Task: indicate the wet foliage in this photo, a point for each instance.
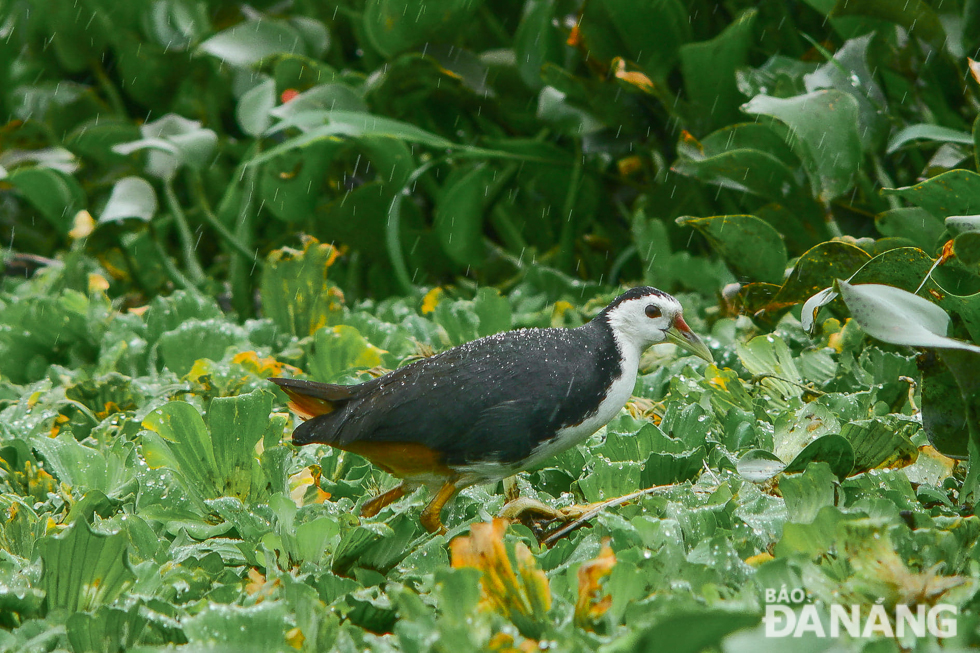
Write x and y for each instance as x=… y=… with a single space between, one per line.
x=197 y=196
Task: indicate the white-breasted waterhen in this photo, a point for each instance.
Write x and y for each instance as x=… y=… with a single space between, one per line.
x=492 y=407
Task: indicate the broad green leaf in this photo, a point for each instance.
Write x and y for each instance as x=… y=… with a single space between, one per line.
x=341 y=350
x=770 y=358
x=759 y=465
x=323 y=97
x=734 y=236
x=879 y=444
x=898 y=317
x=56 y=195
x=260 y=627
x=171 y=143
x=817 y=268
x=823 y=130
x=248 y=43
x=110 y=471
x=236 y=425
x=197 y=339
x=744 y=170
x=682 y=631
x=963 y=224
x=928 y=132
x=945 y=416
x=132 y=197
x=493 y=310
x=952 y=193
x=254 y=107
x=295 y=291
x=292 y=185
x=83 y=569
x=914 y=15
x=805 y=494
x=609 y=479
x=709 y=68
x=833 y=450
x=181 y=425
x=106 y=629
x=914 y=223
x=537 y=41
x=393 y=26
x=458 y=220
x=648 y=32
x=967 y=248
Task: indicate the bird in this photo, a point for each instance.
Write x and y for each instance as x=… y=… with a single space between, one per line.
x=492 y=407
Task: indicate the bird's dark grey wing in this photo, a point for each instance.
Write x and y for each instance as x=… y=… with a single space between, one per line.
x=502 y=433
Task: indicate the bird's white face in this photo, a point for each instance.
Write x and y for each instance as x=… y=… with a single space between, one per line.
x=652 y=319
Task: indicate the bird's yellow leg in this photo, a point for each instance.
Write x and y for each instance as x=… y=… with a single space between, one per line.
x=374 y=505
x=432 y=514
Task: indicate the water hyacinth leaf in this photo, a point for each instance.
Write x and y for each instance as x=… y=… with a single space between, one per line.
x=537 y=41
x=665 y=468
x=393 y=26
x=648 y=32
x=172 y=142
x=684 y=632
x=898 y=317
x=759 y=465
x=709 y=68
x=734 y=236
x=109 y=471
x=609 y=479
x=967 y=248
x=770 y=358
x=254 y=107
x=744 y=170
x=458 y=220
x=805 y=494
x=833 y=450
x=915 y=15
x=817 y=268
x=260 y=627
x=56 y=195
x=962 y=224
x=83 y=569
x=132 y=197
x=493 y=310
x=953 y=193
x=248 y=43
x=945 y=417
x=823 y=130
x=911 y=222
x=928 y=132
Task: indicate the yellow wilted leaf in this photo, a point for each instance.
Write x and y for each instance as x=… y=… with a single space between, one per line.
x=97 y=283
x=301 y=482
x=295 y=638
x=524 y=595
x=265 y=366
x=631 y=77
x=82 y=225
x=592 y=601
x=431 y=300
x=758 y=559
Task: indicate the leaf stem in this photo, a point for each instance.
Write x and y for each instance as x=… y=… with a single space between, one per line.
x=197 y=187
x=188 y=247
x=566 y=241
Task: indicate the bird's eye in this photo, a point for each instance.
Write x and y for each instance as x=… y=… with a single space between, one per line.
x=652 y=311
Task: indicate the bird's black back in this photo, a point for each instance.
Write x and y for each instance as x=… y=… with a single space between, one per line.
x=493 y=399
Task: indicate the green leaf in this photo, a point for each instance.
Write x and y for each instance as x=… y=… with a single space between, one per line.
x=458 y=220
x=927 y=132
x=132 y=197
x=648 y=32
x=393 y=26
x=106 y=629
x=250 y=42
x=295 y=291
x=254 y=107
x=918 y=17
x=744 y=170
x=833 y=450
x=709 y=69
x=537 y=41
x=823 y=130
x=879 y=444
x=898 y=317
x=341 y=350
x=955 y=193
x=759 y=465
x=56 y=195
x=681 y=631
x=197 y=339
x=179 y=424
x=493 y=310
x=261 y=627
x=946 y=416
x=914 y=223
x=609 y=479
x=967 y=248
x=817 y=268
x=83 y=569
x=733 y=236
x=236 y=426
x=770 y=357
x=172 y=142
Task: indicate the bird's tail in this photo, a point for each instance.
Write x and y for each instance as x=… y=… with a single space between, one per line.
x=309 y=399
